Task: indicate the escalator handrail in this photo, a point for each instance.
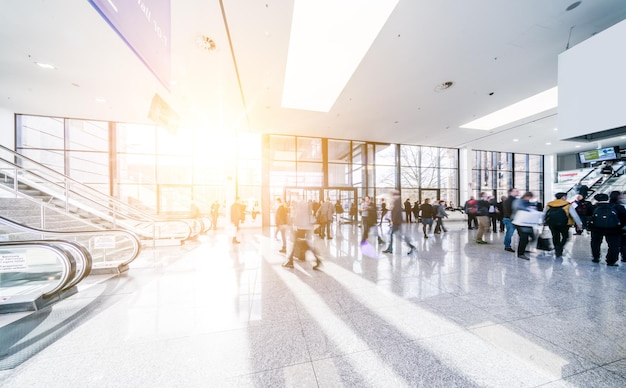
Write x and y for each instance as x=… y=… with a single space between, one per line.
x=620 y=171
x=571 y=191
x=616 y=174
x=80 y=253
x=67 y=260
x=64 y=234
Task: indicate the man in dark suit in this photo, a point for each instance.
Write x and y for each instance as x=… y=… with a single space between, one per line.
x=407 y=211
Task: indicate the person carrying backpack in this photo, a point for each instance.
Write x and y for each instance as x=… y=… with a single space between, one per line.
x=558 y=217
x=583 y=209
x=606 y=223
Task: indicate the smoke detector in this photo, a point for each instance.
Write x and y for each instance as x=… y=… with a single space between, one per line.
x=444 y=86
x=205 y=43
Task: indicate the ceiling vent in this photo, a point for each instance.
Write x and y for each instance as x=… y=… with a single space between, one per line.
x=205 y=43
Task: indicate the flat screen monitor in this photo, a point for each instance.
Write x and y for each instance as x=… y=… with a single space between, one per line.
x=599 y=155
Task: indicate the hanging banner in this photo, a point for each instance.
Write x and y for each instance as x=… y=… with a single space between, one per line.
x=145 y=27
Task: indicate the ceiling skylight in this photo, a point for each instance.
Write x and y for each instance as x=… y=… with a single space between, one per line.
x=328 y=40
x=538 y=103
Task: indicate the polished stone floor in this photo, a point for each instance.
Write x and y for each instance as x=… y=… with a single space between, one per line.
x=213 y=314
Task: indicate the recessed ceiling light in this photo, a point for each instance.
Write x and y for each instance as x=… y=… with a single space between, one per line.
x=556 y=129
x=45 y=65
x=515 y=139
x=548 y=143
x=538 y=103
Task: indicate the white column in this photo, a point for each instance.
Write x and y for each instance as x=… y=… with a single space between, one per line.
x=549 y=177
x=465 y=174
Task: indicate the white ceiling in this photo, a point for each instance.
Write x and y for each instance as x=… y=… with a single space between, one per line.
x=496 y=52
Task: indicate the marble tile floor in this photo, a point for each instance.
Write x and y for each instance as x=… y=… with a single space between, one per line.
x=213 y=314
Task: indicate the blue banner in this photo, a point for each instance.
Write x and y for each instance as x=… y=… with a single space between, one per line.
x=145 y=26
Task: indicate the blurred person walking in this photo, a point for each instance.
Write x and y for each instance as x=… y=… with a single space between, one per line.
x=396 y=223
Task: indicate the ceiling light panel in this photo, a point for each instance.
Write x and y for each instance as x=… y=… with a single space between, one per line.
x=328 y=40
x=538 y=103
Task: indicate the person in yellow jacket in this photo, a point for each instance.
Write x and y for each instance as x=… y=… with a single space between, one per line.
x=560 y=217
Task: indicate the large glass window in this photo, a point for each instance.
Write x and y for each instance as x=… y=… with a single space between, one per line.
x=157 y=169
x=165 y=170
x=310 y=174
x=338 y=175
x=86 y=135
x=385 y=154
x=497 y=172
x=40 y=132
x=338 y=151
x=52 y=159
x=309 y=149
x=135 y=138
x=385 y=176
x=89 y=167
x=429 y=168
x=174 y=169
x=282 y=148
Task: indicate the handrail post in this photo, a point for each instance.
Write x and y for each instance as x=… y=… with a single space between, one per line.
x=42 y=221
x=15 y=185
x=67 y=196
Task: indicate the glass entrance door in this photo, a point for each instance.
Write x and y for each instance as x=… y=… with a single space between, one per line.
x=346 y=198
x=304 y=193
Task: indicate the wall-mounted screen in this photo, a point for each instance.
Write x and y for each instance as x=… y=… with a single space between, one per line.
x=609 y=153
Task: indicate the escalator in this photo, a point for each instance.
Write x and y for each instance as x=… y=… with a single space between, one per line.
x=596 y=182
x=51 y=192
x=110 y=251
x=615 y=182
x=37 y=273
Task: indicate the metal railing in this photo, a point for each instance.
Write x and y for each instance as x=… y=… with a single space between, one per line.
x=68 y=196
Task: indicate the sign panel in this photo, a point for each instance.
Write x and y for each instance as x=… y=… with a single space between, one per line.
x=103 y=242
x=11 y=262
x=571 y=177
x=145 y=26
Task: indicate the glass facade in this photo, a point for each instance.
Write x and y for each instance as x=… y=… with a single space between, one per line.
x=497 y=172
x=163 y=171
x=365 y=168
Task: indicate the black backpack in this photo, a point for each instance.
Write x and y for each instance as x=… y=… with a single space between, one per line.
x=556 y=216
x=605 y=216
x=583 y=207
